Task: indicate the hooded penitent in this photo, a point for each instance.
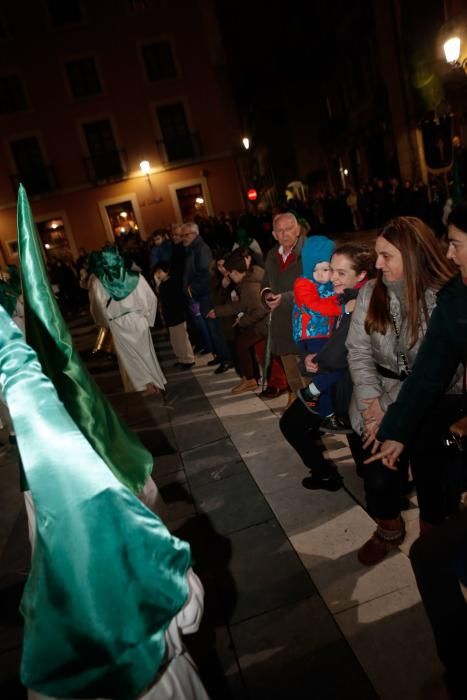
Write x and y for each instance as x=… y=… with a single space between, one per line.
x=106 y=576
x=48 y=334
x=109 y=266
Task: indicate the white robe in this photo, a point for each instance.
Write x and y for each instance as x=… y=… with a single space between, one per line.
x=179 y=679
x=129 y=321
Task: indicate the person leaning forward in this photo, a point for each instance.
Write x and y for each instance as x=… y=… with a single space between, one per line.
x=282 y=267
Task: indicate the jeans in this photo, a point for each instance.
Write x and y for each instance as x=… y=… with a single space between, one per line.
x=210 y=333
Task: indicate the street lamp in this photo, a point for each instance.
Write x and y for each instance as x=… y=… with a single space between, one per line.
x=452 y=52
x=145 y=167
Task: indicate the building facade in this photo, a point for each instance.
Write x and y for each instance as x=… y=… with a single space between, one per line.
x=88 y=91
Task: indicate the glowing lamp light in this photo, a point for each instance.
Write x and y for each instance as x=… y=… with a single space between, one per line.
x=199 y=200
x=47 y=245
x=346 y=172
x=252 y=195
x=452 y=49
x=123 y=214
x=145 y=167
x=246 y=143
x=122 y=230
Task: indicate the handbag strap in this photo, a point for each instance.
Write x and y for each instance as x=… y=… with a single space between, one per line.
x=405 y=364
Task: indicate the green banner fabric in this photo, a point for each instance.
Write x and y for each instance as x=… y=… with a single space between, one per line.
x=49 y=336
x=106 y=575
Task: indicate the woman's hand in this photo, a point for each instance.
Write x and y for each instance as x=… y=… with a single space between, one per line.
x=373 y=413
x=388 y=452
x=372 y=417
x=225 y=281
x=310 y=365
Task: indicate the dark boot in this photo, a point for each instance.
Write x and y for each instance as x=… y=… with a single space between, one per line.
x=388 y=536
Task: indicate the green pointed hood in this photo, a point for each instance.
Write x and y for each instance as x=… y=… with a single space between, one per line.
x=106 y=575
x=109 y=266
x=48 y=334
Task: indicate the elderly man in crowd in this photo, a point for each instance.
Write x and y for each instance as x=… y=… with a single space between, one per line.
x=197 y=287
x=283 y=266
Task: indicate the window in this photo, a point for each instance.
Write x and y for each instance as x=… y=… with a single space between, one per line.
x=31 y=169
x=159 y=61
x=179 y=143
x=83 y=77
x=122 y=218
x=104 y=157
x=53 y=237
x=63 y=12
x=12 y=98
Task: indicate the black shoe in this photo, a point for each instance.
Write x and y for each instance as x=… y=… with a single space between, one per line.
x=215 y=361
x=333 y=482
x=272 y=392
x=333 y=424
x=203 y=351
x=186 y=365
x=178 y=364
x=308 y=399
x=223 y=367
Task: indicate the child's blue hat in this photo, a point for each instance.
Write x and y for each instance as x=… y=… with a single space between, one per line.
x=316 y=249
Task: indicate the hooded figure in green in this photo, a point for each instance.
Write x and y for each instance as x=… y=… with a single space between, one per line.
x=110 y=590
x=123 y=301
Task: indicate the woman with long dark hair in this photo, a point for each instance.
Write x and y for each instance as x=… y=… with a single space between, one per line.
x=388 y=324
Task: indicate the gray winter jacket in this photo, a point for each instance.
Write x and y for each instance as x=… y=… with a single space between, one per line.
x=366 y=351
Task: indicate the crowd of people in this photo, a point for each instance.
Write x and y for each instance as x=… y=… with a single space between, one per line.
x=367 y=342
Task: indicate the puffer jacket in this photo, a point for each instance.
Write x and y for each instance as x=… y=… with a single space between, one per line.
x=250 y=304
x=366 y=351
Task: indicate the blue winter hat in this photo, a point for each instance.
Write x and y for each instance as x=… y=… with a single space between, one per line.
x=316 y=249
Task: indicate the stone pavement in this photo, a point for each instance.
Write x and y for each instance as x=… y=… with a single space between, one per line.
x=289 y=610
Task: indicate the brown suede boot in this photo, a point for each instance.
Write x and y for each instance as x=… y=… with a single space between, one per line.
x=245 y=385
x=388 y=536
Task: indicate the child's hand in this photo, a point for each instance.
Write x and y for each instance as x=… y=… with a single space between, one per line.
x=350 y=306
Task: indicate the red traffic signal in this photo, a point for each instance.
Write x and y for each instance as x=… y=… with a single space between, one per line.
x=252 y=195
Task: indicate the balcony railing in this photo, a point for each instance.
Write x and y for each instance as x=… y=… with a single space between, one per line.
x=38 y=180
x=106 y=167
x=186 y=147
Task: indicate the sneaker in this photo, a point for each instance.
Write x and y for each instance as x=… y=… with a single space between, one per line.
x=333 y=424
x=308 y=399
x=333 y=482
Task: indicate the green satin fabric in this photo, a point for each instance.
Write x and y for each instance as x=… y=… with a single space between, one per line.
x=48 y=334
x=109 y=266
x=106 y=576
